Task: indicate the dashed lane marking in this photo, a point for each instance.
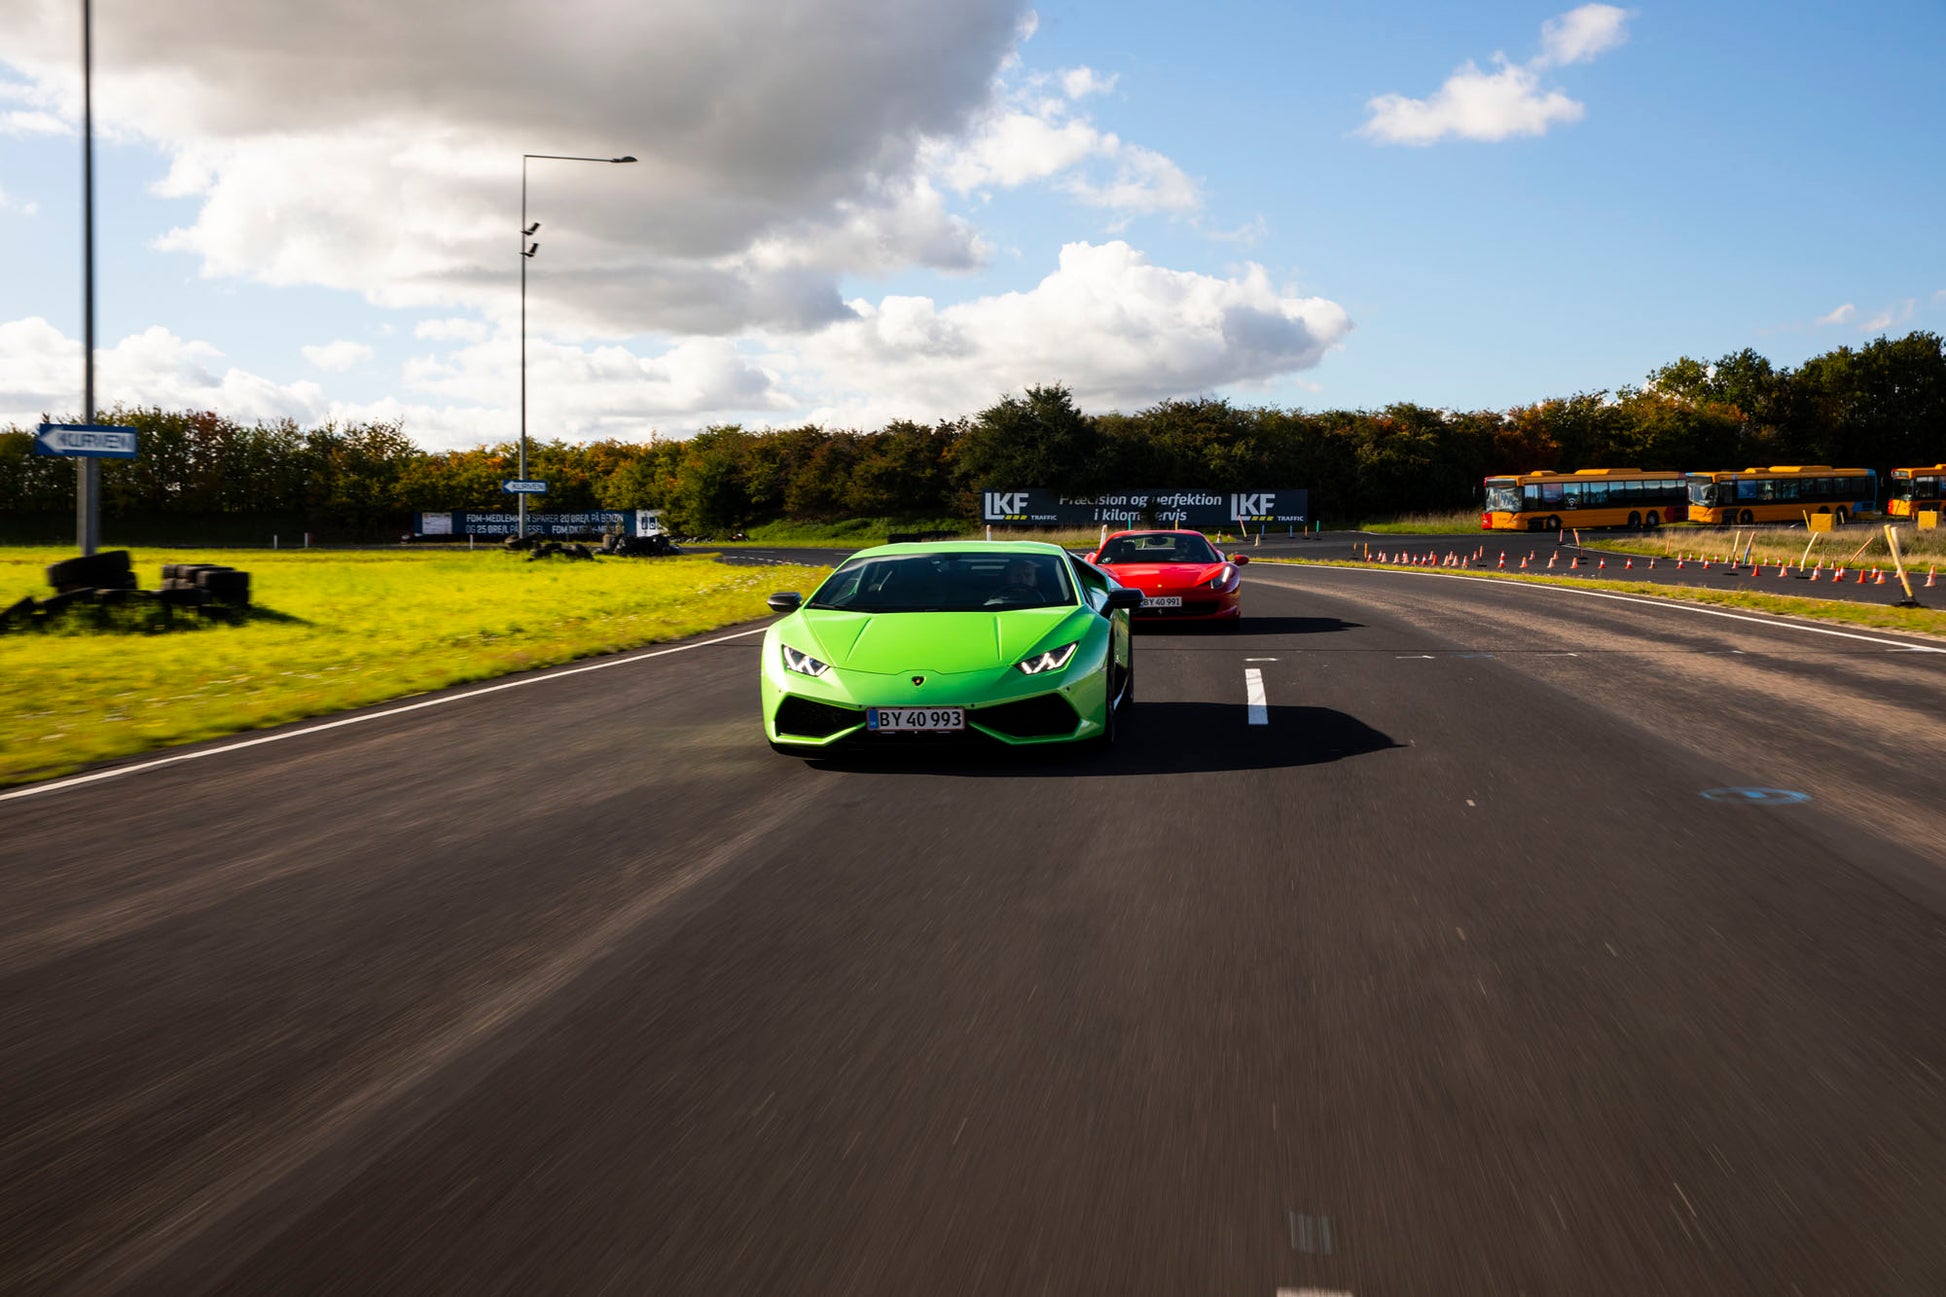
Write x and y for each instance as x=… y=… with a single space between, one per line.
x=1253 y=689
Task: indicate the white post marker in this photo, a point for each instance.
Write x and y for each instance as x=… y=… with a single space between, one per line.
x=1253 y=689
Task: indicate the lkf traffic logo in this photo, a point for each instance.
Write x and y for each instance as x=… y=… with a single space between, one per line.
x=1005 y=506
x=1253 y=508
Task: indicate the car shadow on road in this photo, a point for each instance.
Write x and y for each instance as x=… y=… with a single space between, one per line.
x=1158 y=738
x=1162 y=632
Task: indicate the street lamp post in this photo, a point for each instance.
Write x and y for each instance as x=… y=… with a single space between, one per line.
x=527 y=251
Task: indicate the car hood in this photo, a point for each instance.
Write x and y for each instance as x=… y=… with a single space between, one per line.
x=945 y=642
x=1153 y=578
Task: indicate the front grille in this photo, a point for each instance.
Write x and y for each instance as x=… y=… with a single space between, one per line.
x=1044 y=717
x=815 y=720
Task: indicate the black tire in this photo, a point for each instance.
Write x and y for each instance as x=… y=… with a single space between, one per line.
x=1553 y=523
x=106 y=569
x=229 y=587
x=1746 y=517
x=1653 y=521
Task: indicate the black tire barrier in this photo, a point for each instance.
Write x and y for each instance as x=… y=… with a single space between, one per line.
x=227 y=586
x=110 y=568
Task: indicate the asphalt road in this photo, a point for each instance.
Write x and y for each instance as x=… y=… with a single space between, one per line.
x=1450 y=978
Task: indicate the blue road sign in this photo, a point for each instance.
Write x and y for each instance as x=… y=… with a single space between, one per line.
x=514 y=486
x=85 y=441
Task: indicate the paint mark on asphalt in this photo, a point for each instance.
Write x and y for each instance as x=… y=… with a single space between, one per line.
x=1253 y=688
x=1755 y=796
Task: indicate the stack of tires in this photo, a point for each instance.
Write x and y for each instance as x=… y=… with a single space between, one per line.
x=108 y=570
x=203 y=585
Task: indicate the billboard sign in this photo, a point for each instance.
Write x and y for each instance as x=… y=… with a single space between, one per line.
x=1201 y=510
x=461 y=522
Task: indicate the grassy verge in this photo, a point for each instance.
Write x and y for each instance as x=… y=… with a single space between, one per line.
x=1915 y=621
x=1426 y=524
x=333 y=631
x=1851 y=545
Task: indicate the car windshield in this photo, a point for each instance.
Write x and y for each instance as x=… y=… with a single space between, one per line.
x=1503 y=497
x=976 y=581
x=1161 y=547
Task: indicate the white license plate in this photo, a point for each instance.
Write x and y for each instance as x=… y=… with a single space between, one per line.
x=1162 y=601
x=909 y=719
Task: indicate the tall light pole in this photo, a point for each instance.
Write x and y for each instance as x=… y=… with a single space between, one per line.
x=527 y=251
x=87 y=474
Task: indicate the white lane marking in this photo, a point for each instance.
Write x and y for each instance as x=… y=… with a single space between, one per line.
x=1313 y=1292
x=1260 y=659
x=1630 y=598
x=1414 y=657
x=1253 y=688
x=35 y=790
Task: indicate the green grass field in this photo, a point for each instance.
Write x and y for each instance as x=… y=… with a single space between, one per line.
x=335 y=630
x=1851 y=545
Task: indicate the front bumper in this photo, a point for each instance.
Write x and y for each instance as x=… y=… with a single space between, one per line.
x=1000 y=704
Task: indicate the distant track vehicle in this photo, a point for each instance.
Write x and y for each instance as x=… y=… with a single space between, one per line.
x=1589 y=497
x=1181 y=575
x=1915 y=490
x=1782 y=493
x=905 y=646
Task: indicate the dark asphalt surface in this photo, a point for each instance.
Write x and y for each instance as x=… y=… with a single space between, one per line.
x=1446 y=980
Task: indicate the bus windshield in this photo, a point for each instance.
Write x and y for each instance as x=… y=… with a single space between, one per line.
x=1503 y=497
x=1702 y=492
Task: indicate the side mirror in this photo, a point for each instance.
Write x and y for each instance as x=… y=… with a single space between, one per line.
x=1092 y=558
x=1239 y=559
x=1124 y=597
x=785 y=601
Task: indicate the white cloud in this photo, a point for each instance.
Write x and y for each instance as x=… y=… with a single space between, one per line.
x=1027 y=138
x=24 y=206
x=27 y=122
x=336 y=357
x=397 y=174
x=1581 y=34
x=1118 y=330
x=40 y=372
x=1838 y=315
x=1509 y=101
x=1079 y=83
x=451 y=330
x=1896 y=314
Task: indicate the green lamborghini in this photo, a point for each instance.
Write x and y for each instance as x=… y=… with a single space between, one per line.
x=1009 y=641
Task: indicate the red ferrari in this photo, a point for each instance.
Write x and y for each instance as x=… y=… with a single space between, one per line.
x=1181 y=575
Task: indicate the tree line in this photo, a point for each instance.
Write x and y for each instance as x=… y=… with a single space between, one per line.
x=1879 y=406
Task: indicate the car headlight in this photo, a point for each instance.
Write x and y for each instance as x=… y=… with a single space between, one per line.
x=803 y=663
x=1221 y=581
x=1052 y=660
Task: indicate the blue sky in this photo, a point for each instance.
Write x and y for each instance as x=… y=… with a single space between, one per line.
x=849 y=211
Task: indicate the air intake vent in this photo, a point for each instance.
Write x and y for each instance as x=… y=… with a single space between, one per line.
x=815 y=720
x=1045 y=717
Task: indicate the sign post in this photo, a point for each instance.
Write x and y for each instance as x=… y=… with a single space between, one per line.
x=85 y=443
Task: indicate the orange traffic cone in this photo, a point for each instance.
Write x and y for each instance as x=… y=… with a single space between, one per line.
x=1503 y=561
x=1929 y=578
x=1523 y=565
x=1881 y=578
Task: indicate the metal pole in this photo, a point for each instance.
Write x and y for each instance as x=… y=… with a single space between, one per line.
x=525 y=255
x=87 y=474
x=523 y=342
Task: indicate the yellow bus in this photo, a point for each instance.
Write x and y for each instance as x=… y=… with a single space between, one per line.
x=1914 y=489
x=1588 y=497
x=1782 y=493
